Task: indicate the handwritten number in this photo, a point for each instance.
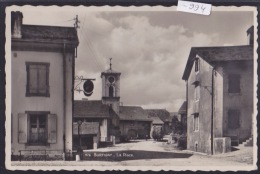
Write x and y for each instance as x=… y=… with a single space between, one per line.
x=196 y=7
x=192 y=6
x=203 y=8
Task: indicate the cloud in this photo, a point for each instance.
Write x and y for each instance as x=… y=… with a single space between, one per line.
x=150 y=49
x=151 y=58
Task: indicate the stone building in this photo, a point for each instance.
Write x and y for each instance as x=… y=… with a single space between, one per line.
x=100 y=120
x=219 y=83
x=157 y=124
x=164 y=115
x=111 y=88
x=42 y=77
x=134 y=122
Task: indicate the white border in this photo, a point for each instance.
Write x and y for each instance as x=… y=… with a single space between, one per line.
x=132 y=168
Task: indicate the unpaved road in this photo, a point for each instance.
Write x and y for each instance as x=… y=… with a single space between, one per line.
x=151 y=153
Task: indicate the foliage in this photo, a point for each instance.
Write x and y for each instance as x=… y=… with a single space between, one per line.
x=177 y=126
x=157 y=133
x=182 y=142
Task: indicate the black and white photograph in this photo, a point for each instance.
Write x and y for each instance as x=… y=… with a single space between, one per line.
x=131 y=88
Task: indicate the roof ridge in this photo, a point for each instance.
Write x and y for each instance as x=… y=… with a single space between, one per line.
x=56 y=26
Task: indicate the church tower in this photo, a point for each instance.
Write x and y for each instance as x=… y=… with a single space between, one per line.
x=111 y=88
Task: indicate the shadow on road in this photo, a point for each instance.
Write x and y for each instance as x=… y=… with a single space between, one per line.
x=234 y=149
x=131 y=155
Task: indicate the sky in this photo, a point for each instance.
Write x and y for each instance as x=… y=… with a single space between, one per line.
x=149 y=48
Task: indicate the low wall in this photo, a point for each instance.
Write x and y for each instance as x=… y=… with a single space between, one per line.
x=222 y=145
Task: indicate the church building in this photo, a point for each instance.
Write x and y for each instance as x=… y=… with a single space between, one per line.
x=114 y=121
x=133 y=120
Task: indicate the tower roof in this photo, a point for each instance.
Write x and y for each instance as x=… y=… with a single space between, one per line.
x=110 y=71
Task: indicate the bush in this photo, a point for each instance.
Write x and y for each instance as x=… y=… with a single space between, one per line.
x=182 y=142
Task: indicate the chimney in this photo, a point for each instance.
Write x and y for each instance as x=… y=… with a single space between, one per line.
x=250 y=35
x=16 y=24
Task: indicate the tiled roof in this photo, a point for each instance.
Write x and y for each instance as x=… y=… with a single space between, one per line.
x=163 y=114
x=218 y=54
x=154 y=117
x=133 y=113
x=91 y=109
x=182 y=109
x=156 y=120
x=228 y=53
x=50 y=33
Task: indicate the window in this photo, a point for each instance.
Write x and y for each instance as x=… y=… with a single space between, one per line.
x=196 y=122
x=34 y=126
x=37 y=79
x=233 y=119
x=111 y=91
x=196 y=65
x=197 y=93
x=234 y=83
x=37 y=128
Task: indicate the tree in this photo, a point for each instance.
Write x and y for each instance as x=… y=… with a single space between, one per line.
x=176 y=125
x=157 y=133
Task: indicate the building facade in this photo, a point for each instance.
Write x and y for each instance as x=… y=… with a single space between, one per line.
x=157 y=129
x=134 y=122
x=164 y=115
x=103 y=118
x=42 y=60
x=111 y=88
x=219 y=83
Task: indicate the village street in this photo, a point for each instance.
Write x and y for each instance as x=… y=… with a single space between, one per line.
x=151 y=153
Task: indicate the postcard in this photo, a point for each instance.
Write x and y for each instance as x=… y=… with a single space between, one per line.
x=131 y=88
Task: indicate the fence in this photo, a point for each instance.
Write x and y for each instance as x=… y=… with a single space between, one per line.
x=43 y=155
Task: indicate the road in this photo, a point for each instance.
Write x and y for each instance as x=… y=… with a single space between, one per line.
x=151 y=153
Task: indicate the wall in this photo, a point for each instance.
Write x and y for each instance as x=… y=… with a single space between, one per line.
x=103 y=130
x=21 y=103
x=54 y=103
x=222 y=145
x=141 y=127
x=242 y=101
x=218 y=102
x=202 y=137
x=114 y=101
x=69 y=99
x=106 y=84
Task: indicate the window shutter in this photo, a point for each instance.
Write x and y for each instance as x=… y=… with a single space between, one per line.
x=33 y=80
x=52 y=128
x=22 y=128
x=42 y=79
